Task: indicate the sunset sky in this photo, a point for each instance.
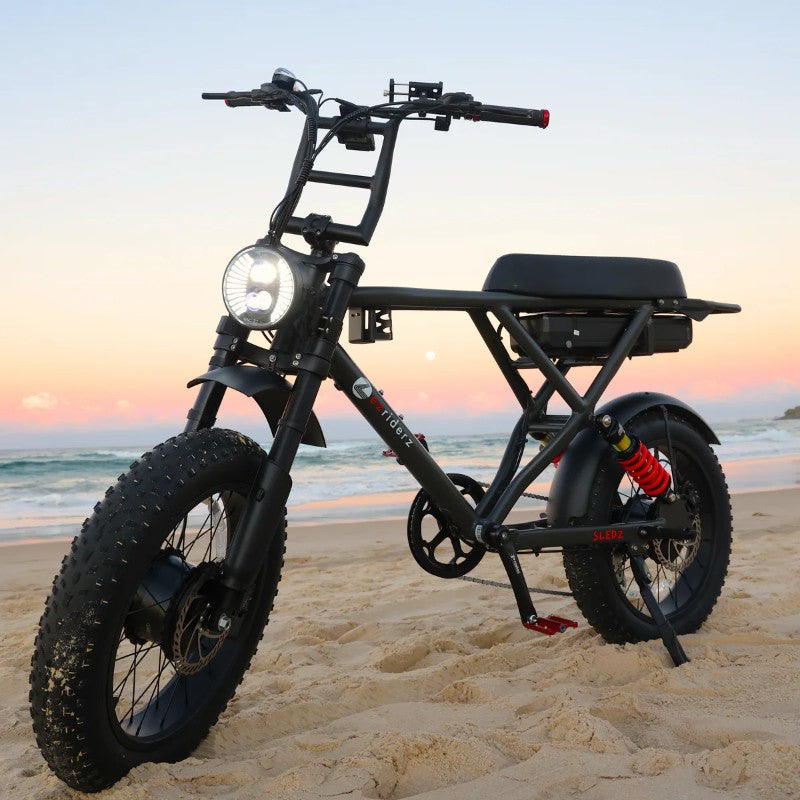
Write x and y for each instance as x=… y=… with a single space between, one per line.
x=674 y=135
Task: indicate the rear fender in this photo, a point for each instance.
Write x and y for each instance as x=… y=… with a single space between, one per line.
x=269 y=390
x=569 y=492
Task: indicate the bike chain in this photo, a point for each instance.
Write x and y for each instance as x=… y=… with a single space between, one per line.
x=499 y=584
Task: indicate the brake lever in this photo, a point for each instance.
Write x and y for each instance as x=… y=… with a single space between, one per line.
x=273 y=97
x=457 y=98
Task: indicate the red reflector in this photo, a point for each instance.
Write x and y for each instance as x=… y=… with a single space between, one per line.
x=545 y=118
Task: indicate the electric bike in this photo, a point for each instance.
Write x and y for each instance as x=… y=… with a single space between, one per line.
x=161 y=602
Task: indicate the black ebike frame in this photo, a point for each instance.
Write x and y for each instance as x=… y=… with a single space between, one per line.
x=321 y=356
x=324 y=357
x=509 y=483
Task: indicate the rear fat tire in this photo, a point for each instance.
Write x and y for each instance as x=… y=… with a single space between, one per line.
x=74 y=716
x=591 y=572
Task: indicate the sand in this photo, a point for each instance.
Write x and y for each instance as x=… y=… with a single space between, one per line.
x=376 y=680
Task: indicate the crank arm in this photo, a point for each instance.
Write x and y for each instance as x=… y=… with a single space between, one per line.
x=530 y=619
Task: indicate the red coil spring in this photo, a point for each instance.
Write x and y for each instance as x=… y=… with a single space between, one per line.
x=645 y=469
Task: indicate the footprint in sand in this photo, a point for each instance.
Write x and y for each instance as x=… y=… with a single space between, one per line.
x=404 y=660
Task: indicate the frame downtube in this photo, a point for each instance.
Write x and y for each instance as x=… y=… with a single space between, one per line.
x=387 y=424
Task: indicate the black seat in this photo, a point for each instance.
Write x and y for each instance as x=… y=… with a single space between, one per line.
x=585 y=276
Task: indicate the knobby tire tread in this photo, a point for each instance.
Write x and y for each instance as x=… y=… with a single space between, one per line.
x=597 y=598
x=64 y=696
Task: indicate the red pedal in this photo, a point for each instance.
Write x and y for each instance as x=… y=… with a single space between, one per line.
x=550 y=625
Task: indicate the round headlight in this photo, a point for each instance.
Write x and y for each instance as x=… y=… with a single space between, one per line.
x=259 y=287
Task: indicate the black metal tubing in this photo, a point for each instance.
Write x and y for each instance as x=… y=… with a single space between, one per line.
x=340 y=179
x=506 y=489
x=527 y=537
x=509 y=463
x=388 y=424
x=495 y=346
x=531 y=348
x=230 y=336
x=378 y=185
x=414 y=299
x=270 y=491
x=582 y=407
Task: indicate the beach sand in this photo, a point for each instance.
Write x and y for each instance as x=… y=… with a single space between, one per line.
x=376 y=680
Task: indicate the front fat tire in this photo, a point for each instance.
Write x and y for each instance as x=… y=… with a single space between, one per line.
x=71 y=679
x=591 y=571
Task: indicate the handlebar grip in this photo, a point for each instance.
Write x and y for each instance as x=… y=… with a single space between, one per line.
x=233 y=99
x=515 y=116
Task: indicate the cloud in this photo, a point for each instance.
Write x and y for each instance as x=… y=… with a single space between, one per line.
x=124 y=405
x=41 y=401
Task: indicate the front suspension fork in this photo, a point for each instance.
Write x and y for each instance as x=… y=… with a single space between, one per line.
x=266 y=502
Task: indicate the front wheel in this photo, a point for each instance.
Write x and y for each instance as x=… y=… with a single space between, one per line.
x=687 y=575
x=124 y=669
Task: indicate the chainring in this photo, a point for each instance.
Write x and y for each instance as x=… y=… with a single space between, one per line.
x=435 y=542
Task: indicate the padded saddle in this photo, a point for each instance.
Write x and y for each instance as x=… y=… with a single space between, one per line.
x=585 y=276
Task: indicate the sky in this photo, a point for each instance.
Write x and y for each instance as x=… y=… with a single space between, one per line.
x=673 y=135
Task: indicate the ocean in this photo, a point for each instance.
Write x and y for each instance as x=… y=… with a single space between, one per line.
x=47 y=493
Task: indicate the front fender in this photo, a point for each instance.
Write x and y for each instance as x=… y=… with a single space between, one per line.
x=269 y=390
x=569 y=492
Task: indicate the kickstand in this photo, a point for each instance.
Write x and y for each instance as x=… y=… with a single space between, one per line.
x=668 y=635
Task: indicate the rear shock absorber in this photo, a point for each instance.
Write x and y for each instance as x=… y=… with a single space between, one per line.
x=634 y=457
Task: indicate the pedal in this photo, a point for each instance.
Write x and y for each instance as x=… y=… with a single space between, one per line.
x=551 y=625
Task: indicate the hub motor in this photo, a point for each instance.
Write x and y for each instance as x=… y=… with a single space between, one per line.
x=171 y=609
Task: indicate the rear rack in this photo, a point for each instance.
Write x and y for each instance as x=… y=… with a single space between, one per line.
x=413 y=299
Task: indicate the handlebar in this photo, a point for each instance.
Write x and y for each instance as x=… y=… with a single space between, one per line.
x=457 y=105
x=356 y=127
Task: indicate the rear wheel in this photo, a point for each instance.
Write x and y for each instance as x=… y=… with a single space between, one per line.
x=125 y=669
x=687 y=576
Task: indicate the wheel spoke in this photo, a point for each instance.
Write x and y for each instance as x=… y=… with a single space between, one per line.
x=138 y=655
x=154 y=684
x=182 y=537
x=178 y=678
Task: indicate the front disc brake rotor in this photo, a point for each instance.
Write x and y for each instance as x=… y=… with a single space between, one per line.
x=187 y=641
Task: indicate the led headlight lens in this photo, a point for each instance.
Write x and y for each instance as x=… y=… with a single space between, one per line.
x=258 y=287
